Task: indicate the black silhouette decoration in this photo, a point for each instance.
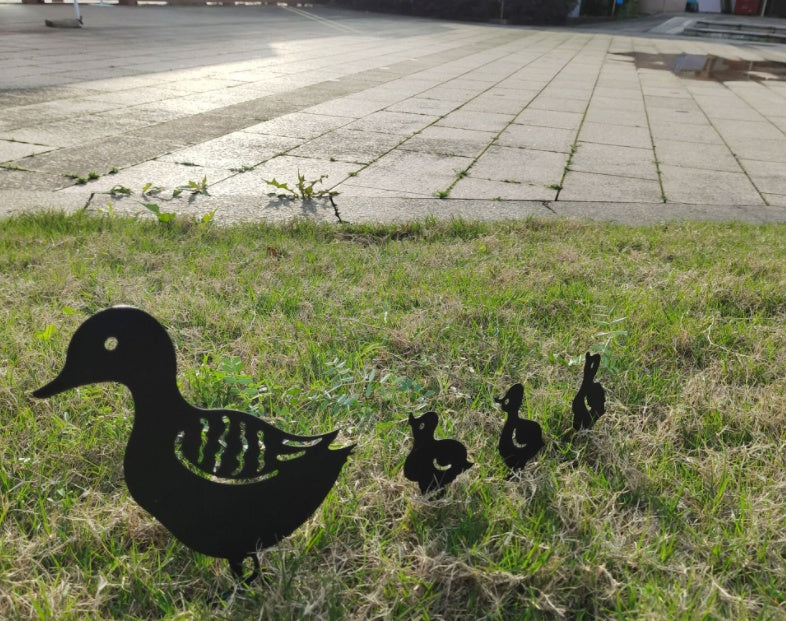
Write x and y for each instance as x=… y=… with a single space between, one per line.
x=591 y=392
x=520 y=439
x=225 y=483
x=431 y=463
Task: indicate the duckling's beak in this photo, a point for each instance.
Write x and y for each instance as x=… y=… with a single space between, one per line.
x=61 y=383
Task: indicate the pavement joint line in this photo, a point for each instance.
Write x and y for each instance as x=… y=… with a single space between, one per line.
x=663 y=195
x=575 y=144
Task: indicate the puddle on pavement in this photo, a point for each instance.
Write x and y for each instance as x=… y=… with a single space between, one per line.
x=708 y=67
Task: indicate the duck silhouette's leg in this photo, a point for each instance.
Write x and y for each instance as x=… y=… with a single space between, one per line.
x=236 y=565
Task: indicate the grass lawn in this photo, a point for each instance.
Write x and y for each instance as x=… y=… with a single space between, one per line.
x=672 y=507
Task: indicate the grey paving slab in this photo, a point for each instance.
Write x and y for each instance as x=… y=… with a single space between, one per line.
x=536 y=137
x=608 y=188
x=620 y=135
x=20 y=200
x=99 y=156
x=399 y=123
x=475 y=188
x=420 y=173
x=772 y=150
x=479 y=121
x=233 y=151
x=614 y=160
x=696 y=155
x=686 y=132
x=11 y=179
x=549 y=118
x=398 y=210
x=305 y=125
x=559 y=104
x=68 y=132
x=518 y=165
x=10 y=150
x=349 y=145
x=449 y=141
x=690 y=185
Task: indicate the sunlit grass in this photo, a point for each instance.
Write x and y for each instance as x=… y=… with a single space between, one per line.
x=671 y=507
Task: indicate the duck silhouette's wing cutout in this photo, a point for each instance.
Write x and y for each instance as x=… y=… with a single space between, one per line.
x=235 y=446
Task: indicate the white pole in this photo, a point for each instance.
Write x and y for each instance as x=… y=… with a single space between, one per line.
x=76 y=10
x=763 y=7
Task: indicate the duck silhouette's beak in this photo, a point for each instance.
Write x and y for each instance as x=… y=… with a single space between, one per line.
x=61 y=383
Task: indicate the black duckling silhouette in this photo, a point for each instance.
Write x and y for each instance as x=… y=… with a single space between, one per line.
x=225 y=483
x=591 y=392
x=520 y=439
x=431 y=463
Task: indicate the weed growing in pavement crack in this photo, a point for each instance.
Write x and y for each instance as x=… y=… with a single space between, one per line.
x=304 y=190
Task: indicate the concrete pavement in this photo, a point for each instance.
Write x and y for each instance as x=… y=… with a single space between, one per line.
x=406 y=117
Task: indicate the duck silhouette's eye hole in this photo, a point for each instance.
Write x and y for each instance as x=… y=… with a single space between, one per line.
x=422 y=426
x=110 y=344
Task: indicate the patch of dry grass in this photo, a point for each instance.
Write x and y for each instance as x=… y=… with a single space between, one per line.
x=671 y=507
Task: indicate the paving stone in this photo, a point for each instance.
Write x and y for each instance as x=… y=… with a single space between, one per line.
x=758 y=149
x=449 y=141
x=685 y=132
x=479 y=121
x=477 y=189
x=559 y=104
x=372 y=209
x=419 y=173
x=690 y=185
x=549 y=118
x=633 y=118
x=542 y=138
x=349 y=145
x=696 y=155
x=346 y=106
x=26 y=180
x=99 y=156
x=65 y=133
x=419 y=105
x=399 y=123
x=520 y=166
x=614 y=160
x=15 y=201
x=778 y=200
x=302 y=125
x=233 y=151
x=16 y=150
x=745 y=129
x=608 y=188
x=768 y=177
x=621 y=135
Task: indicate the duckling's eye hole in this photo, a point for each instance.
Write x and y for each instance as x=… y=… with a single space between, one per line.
x=422 y=426
x=110 y=344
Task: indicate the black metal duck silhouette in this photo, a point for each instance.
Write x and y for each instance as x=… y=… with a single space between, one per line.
x=225 y=483
x=591 y=392
x=520 y=439
x=431 y=463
